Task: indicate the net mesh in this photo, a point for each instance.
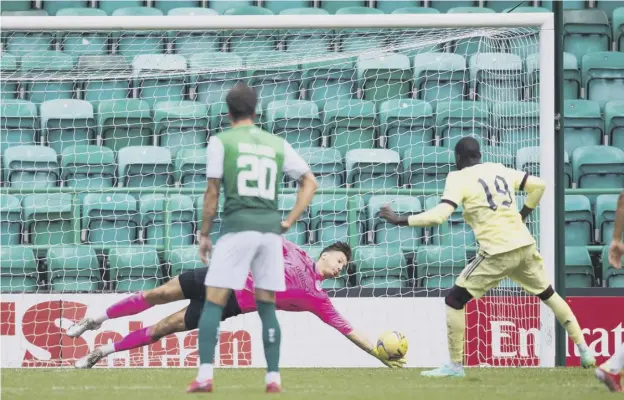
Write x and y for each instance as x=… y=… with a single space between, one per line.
x=103 y=149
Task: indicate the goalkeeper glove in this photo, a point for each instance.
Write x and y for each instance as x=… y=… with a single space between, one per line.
x=388 y=363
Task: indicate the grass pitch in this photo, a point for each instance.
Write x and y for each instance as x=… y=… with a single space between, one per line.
x=316 y=384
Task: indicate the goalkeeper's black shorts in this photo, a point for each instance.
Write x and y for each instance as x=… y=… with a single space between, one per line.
x=193 y=288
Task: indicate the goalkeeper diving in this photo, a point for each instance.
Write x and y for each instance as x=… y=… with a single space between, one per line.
x=303 y=293
x=487 y=192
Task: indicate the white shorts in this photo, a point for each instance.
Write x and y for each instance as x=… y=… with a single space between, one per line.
x=235 y=254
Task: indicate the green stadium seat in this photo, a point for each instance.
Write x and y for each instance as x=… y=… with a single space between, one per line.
x=403 y=237
x=406 y=39
x=306 y=41
x=373 y=168
x=134 y=268
x=390 y=6
x=144 y=166
x=384 y=76
x=53 y=7
x=78 y=44
x=47 y=65
x=67 y=123
x=585 y=31
x=18 y=123
x=571 y=77
x=25 y=13
x=329 y=217
x=48 y=219
x=426 y=167
x=406 y=122
x=124 y=122
x=579 y=272
x=498 y=154
x=380 y=267
x=133 y=43
x=167 y=5
x=618 y=28
x=298 y=233
x=183 y=259
x=326 y=81
x=477 y=44
x=88 y=167
x=496 y=77
x=611 y=277
x=332 y=6
x=357 y=40
x=109 y=219
x=456 y=119
x=26 y=167
x=152 y=219
x=567 y=4
x=190 y=168
x=17 y=5
x=218 y=119
x=517 y=124
x=297 y=121
x=604 y=165
x=528 y=160
x=110 y=6
x=10 y=220
x=180 y=125
x=276 y=76
x=326 y=165
x=583 y=125
x=455 y=232
x=578 y=220
x=246 y=42
x=215 y=232
x=444 y=5
x=114 y=84
x=614 y=123
x=22 y=43
x=221 y=6
x=168 y=81
x=214 y=75
x=277 y=6
x=531 y=79
x=603 y=77
x=18 y=270
x=438 y=267
x=608 y=7
x=73 y=269
x=440 y=77
x=606 y=204
x=8 y=66
x=350 y=124
x=525 y=44
x=186 y=43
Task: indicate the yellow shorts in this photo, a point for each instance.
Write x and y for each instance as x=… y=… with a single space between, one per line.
x=525 y=266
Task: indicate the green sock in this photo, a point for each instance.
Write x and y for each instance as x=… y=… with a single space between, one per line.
x=208 y=327
x=271 y=334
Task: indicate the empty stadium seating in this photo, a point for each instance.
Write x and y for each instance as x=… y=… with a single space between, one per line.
x=380 y=121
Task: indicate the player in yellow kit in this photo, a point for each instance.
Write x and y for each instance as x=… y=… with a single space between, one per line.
x=487 y=191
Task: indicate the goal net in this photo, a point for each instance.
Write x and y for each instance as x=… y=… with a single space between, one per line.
x=103 y=141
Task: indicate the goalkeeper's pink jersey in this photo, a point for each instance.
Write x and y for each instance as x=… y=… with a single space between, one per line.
x=303 y=290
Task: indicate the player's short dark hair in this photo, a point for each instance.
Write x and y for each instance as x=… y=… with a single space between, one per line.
x=467 y=152
x=339 y=246
x=241 y=102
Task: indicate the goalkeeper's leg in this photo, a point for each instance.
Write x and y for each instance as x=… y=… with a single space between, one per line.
x=610 y=373
x=134 y=304
x=143 y=337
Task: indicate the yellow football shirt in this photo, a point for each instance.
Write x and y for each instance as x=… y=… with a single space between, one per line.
x=487 y=193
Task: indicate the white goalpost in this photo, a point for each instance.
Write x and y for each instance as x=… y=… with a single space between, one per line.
x=102 y=143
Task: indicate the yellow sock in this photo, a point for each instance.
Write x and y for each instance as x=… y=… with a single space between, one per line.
x=566 y=318
x=455 y=326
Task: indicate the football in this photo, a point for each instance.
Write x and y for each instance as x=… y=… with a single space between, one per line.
x=392 y=345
